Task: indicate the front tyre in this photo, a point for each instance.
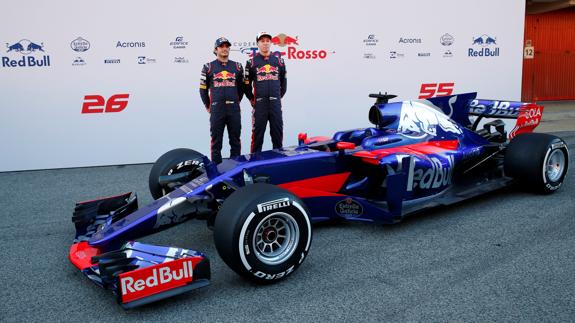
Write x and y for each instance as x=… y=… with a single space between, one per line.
x=263 y=232
x=176 y=161
x=538 y=161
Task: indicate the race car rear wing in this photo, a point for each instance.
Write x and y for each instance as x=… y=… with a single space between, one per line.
x=528 y=115
x=460 y=107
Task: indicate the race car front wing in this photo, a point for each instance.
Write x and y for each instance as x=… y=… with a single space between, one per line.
x=137 y=273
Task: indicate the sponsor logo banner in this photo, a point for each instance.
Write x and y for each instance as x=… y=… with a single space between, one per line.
x=155 y=279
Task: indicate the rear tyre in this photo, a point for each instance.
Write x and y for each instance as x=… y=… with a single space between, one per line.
x=263 y=232
x=174 y=162
x=537 y=161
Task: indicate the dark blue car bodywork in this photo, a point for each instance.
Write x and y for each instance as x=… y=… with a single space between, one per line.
x=418 y=154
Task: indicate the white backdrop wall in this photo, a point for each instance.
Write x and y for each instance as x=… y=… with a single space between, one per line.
x=41 y=120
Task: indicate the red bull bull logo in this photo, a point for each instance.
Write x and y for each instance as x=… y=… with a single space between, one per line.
x=288 y=49
x=483 y=46
x=25 y=47
x=224 y=78
x=267 y=73
x=283 y=40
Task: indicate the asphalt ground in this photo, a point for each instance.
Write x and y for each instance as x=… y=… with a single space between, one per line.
x=505 y=256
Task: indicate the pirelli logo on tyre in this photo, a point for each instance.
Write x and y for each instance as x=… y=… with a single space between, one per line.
x=275 y=204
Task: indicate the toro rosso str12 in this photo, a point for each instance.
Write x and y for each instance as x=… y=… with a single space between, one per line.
x=418 y=154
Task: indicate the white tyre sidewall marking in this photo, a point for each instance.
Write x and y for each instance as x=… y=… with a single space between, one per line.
x=241 y=241
x=301 y=209
x=249 y=220
x=545 y=165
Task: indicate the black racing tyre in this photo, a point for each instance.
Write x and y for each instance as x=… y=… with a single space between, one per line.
x=537 y=161
x=173 y=162
x=263 y=232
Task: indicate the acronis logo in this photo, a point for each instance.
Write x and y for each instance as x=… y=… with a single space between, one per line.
x=30 y=52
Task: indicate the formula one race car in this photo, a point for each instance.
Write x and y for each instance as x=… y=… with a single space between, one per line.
x=418 y=154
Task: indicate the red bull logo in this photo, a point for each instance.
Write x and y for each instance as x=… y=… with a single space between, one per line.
x=26 y=47
x=288 y=49
x=267 y=73
x=283 y=40
x=224 y=78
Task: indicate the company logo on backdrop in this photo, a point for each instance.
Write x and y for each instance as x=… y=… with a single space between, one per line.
x=133 y=44
x=410 y=40
x=448 y=53
x=78 y=61
x=80 y=44
x=283 y=40
x=112 y=61
x=181 y=60
x=446 y=40
x=245 y=47
x=371 y=40
x=97 y=104
x=423 y=54
x=428 y=90
x=146 y=60
x=286 y=46
x=483 y=46
x=30 y=52
x=179 y=43
x=395 y=54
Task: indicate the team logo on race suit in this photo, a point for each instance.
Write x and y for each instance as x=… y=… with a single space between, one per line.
x=224 y=78
x=26 y=47
x=267 y=72
x=418 y=120
x=348 y=208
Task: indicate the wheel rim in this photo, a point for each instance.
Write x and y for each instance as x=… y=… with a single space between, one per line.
x=275 y=238
x=555 y=165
